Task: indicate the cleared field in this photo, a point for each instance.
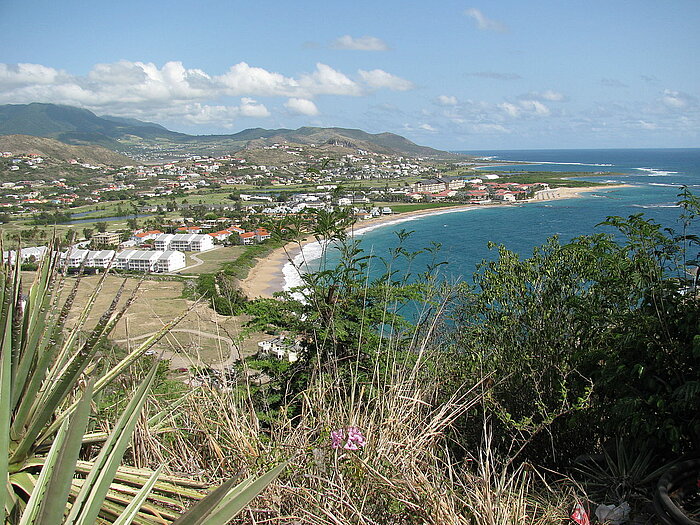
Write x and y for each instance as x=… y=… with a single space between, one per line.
x=211 y=260
x=202 y=338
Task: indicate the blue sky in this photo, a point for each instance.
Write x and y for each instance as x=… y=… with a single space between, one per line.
x=452 y=75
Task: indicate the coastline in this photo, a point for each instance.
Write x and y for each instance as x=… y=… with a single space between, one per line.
x=267 y=276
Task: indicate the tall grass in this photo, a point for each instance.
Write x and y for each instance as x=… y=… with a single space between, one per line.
x=407 y=471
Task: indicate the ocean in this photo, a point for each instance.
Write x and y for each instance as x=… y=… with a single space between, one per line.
x=656 y=176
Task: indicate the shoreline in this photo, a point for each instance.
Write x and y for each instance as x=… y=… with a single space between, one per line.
x=267 y=277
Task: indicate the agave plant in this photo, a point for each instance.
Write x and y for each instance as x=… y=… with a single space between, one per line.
x=48 y=379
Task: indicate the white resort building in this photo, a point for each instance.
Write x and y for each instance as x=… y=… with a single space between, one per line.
x=132 y=260
x=186 y=242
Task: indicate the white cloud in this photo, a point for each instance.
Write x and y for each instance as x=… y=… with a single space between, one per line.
x=27 y=74
x=427 y=127
x=489 y=128
x=511 y=109
x=327 y=81
x=552 y=96
x=250 y=108
x=525 y=108
x=446 y=100
x=172 y=91
x=363 y=43
x=535 y=106
x=378 y=78
x=242 y=79
x=647 y=125
x=301 y=106
x=483 y=23
x=677 y=99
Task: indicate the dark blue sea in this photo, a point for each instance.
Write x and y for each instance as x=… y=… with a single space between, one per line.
x=656 y=176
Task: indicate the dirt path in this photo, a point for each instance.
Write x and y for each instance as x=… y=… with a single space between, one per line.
x=178 y=360
x=198 y=261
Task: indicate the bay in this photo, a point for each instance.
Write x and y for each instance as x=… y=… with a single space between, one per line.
x=656 y=177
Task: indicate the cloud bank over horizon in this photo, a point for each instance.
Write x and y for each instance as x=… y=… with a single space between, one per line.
x=471 y=76
x=144 y=90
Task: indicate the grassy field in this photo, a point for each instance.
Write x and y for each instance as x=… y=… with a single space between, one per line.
x=201 y=338
x=213 y=260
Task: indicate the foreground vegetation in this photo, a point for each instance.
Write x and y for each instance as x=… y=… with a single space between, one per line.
x=569 y=377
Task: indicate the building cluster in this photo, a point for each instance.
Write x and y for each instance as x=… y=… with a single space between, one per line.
x=474 y=190
x=281 y=348
x=147 y=261
x=298 y=165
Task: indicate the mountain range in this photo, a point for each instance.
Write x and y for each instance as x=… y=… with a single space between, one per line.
x=137 y=139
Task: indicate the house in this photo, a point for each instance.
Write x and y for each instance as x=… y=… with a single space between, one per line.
x=145 y=235
x=189 y=229
x=121 y=261
x=142 y=260
x=34 y=253
x=162 y=242
x=220 y=236
x=261 y=234
x=191 y=242
x=74 y=257
x=99 y=259
x=280 y=348
x=184 y=242
x=247 y=238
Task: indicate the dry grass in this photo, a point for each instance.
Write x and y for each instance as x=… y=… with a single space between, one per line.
x=404 y=474
x=202 y=338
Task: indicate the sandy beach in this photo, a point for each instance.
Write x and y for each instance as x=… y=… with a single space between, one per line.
x=266 y=277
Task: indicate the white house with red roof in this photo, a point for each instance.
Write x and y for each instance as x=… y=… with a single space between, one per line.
x=145 y=235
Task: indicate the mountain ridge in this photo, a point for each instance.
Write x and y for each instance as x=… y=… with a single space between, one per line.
x=138 y=139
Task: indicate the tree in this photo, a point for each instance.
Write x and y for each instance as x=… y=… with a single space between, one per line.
x=87 y=233
x=101 y=226
x=602 y=329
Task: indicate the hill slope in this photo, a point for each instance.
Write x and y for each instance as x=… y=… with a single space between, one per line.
x=54 y=149
x=148 y=140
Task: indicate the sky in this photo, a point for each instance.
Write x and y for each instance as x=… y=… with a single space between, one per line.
x=454 y=75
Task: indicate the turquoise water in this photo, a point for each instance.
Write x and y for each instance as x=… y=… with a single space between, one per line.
x=657 y=175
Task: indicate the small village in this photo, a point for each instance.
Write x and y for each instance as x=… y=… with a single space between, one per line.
x=144 y=218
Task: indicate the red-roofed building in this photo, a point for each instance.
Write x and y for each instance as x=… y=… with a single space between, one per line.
x=221 y=236
x=145 y=235
x=261 y=234
x=189 y=229
x=247 y=238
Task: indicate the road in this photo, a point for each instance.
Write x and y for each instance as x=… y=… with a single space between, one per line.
x=178 y=360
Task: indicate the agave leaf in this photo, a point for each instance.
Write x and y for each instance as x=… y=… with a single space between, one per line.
x=38 y=495
x=199 y=512
x=114 y=372
x=218 y=508
x=132 y=509
x=34 y=324
x=55 y=499
x=87 y=504
x=5 y=392
x=61 y=385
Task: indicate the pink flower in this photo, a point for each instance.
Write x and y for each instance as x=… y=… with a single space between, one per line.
x=337 y=437
x=355 y=439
